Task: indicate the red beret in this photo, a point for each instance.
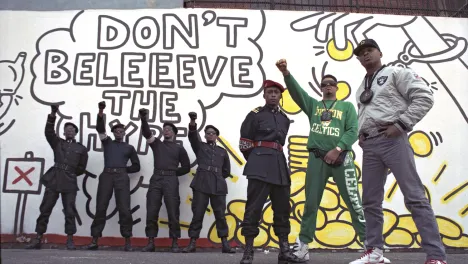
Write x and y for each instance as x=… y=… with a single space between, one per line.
x=270 y=83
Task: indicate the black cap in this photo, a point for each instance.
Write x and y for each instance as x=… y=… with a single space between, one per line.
x=173 y=127
x=71 y=124
x=117 y=126
x=365 y=43
x=212 y=127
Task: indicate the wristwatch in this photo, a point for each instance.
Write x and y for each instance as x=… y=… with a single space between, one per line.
x=338 y=148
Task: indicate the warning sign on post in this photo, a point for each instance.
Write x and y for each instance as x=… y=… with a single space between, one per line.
x=22 y=175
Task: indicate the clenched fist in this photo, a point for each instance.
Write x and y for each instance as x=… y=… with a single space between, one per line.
x=192 y=115
x=282 y=66
x=102 y=105
x=143 y=112
x=54 y=108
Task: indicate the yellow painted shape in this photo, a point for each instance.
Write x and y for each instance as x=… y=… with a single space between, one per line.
x=268 y=214
x=296 y=139
x=298 y=162
x=464 y=211
x=234 y=178
x=407 y=223
x=420 y=143
x=343 y=91
x=399 y=237
x=237 y=208
x=330 y=200
x=260 y=240
x=391 y=191
x=454 y=192
x=288 y=105
x=336 y=234
x=297 y=181
x=449 y=228
x=436 y=176
x=340 y=55
x=457 y=243
x=390 y=221
x=232 y=225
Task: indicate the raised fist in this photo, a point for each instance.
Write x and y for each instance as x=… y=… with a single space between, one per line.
x=192 y=115
x=282 y=65
x=54 y=108
x=143 y=112
x=102 y=105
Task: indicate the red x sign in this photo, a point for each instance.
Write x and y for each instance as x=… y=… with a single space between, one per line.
x=23 y=175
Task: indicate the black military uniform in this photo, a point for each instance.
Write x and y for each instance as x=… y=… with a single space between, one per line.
x=114 y=178
x=164 y=183
x=263 y=135
x=70 y=159
x=209 y=185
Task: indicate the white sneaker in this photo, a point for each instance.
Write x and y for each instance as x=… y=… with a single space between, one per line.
x=301 y=250
x=371 y=256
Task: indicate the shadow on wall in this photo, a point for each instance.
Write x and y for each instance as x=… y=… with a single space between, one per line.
x=58 y=5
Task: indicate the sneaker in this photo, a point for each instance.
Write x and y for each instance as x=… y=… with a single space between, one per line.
x=301 y=250
x=371 y=256
x=386 y=260
x=435 y=261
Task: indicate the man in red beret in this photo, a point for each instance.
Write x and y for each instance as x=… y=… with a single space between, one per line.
x=262 y=137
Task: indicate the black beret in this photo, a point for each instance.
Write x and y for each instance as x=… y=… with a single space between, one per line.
x=212 y=127
x=71 y=124
x=173 y=127
x=117 y=126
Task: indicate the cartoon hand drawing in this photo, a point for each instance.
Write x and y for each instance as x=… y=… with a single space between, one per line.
x=11 y=77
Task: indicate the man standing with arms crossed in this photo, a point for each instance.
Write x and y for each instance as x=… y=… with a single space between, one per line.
x=164 y=182
x=333 y=131
x=209 y=184
x=114 y=178
x=391 y=101
x=70 y=159
x=262 y=137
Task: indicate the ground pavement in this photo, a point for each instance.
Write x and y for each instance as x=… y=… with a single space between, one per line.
x=109 y=256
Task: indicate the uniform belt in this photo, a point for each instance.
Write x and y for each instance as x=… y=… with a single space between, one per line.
x=268 y=144
x=115 y=170
x=164 y=172
x=209 y=168
x=64 y=167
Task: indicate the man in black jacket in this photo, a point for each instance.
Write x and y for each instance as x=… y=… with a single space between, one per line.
x=114 y=178
x=70 y=159
x=263 y=134
x=167 y=156
x=209 y=184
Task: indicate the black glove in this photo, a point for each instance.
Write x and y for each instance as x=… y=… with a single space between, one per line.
x=54 y=108
x=143 y=112
x=192 y=115
x=102 y=105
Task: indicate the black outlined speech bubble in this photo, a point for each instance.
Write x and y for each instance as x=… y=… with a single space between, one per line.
x=201 y=55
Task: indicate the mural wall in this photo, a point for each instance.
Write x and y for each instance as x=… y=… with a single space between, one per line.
x=213 y=62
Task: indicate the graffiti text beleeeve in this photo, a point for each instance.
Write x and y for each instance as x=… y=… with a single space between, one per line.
x=141 y=69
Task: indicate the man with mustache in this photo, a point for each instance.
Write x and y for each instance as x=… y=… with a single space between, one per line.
x=391 y=101
x=262 y=137
x=333 y=131
x=209 y=184
x=70 y=159
x=164 y=182
x=114 y=178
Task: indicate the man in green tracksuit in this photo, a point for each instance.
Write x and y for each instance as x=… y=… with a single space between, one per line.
x=333 y=131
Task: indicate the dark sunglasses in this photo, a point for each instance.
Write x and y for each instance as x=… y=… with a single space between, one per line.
x=325 y=84
x=210 y=133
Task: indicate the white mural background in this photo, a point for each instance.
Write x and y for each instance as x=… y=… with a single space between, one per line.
x=216 y=62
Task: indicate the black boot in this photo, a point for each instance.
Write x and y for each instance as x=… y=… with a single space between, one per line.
x=128 y=244
x=70 y=244
x=192 y=246
x=35 y=243
x=175 y=246
x=150 y=247
x=93 y=245
x=248 y=256
x=226 y=247
x=285 y=255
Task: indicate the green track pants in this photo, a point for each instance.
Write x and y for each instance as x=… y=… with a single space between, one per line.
x=346 y=180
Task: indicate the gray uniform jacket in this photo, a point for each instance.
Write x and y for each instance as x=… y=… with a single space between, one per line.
x=401 y=97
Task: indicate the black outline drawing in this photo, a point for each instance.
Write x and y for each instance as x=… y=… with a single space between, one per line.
x=17 y=68
x=22 y=194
